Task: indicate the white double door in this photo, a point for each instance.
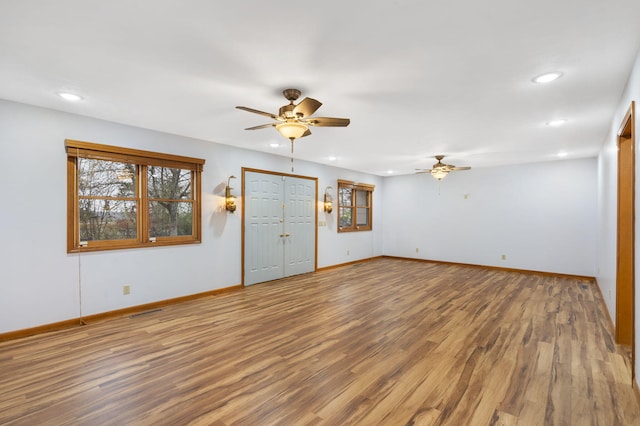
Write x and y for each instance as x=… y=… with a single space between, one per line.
x=279 y=226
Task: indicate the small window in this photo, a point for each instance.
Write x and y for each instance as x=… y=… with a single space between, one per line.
x=123 y=198
x=354 y=206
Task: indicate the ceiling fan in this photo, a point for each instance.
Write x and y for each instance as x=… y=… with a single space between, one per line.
x=440 y=170
x=293 y=120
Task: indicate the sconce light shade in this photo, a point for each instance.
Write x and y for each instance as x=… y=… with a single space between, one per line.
x=328 y=200
x=292 y=129
x=230 y=200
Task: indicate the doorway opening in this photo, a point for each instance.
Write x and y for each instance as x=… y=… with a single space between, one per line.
x=279 y=225
x=625 y=281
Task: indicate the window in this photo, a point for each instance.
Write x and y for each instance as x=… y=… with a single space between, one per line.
x=123 y=198
x=354 y=206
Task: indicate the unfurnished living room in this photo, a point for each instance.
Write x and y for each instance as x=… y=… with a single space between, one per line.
x=387 y=212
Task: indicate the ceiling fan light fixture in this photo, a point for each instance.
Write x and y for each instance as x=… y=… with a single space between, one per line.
x=292 y=129
x=439 y=174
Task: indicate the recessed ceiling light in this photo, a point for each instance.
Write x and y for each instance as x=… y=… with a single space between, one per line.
x=72 y=97
x=557 y=123
x=332 y=158
x=389 y=172
x=547 y=77
x=274 y=145
x=563 y=154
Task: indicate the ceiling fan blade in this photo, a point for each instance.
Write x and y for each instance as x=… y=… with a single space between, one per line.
x=418 y=171
x=307 y=133
x=461 y=168
x=262 y=126
x=255 y=111
x=306 y=107
x=327 y=121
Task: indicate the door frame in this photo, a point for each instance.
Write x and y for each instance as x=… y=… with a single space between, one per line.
x=625 y=241
x=317 y=204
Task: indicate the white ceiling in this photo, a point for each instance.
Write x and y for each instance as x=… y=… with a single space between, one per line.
x=416 y=78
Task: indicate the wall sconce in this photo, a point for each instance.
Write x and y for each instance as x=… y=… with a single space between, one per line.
x=328 y=200
x=230 y=200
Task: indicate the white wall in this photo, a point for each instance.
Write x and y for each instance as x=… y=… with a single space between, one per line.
x=607 y=204
x=41 y=284
x=542 y=216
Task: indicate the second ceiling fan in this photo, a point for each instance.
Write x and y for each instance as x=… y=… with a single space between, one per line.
x=440 y=170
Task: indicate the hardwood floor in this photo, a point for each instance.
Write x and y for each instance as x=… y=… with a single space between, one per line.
x=388 y=342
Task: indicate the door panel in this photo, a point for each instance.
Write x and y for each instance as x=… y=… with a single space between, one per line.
x=300 y=204
x=263 y=223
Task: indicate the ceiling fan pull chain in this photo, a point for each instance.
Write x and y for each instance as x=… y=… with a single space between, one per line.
x=292 y=139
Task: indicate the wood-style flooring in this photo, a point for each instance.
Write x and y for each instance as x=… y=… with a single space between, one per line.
x=388 y=341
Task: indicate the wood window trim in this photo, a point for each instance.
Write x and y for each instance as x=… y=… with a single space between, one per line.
x=357 y=187
x=142 y=160
x=109 y=152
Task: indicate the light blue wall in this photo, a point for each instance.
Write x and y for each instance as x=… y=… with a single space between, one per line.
x=542 y=216
x=41 y=284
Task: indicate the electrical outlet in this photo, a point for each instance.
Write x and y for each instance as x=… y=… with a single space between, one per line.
x=126 y=289
x=347 y=252
x=503 y=257
x=417 y=250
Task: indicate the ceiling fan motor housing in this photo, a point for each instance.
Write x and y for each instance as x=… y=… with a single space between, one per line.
x=287 y=111
x=291 y=94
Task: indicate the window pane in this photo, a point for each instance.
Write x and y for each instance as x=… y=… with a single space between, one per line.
x=103 y=178
x=168 y=183
x=345 y=214
x=168 y=219
x=362 y=198
x=362 y=216
x=345 y=197
x=106 y=207
x=107 y=219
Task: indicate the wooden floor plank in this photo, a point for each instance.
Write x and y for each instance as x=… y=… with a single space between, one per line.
x=387 y=341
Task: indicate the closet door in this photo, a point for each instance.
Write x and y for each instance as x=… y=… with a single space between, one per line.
x=300 y=225
x=264 y=228
x=279 y=226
